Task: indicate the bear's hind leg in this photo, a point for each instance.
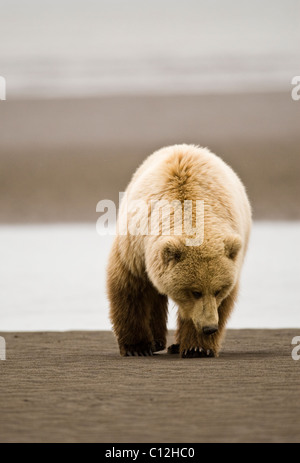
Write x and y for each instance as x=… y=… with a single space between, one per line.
x=174 y=349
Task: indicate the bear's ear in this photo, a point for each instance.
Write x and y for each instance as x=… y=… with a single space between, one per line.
x=232 y=246
x=171 y=253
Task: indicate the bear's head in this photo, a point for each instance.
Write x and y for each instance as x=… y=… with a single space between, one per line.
x=196 y=278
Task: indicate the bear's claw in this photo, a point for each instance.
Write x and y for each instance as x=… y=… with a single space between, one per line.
x=148 y=353
x=145 y=353
x=195 y=352
x=141 y=349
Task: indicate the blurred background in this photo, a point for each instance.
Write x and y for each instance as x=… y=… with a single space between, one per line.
x=93 y=87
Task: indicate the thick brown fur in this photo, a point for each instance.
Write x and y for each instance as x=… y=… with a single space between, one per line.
x=188 y=339
x=138 y=311
x=144 y=270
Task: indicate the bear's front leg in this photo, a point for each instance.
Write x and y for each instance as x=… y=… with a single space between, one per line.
x=130 y=315
x=158 y=322
x=191 y=343
x=130 y=308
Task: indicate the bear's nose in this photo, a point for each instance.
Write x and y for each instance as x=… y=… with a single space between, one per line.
x=210 y=329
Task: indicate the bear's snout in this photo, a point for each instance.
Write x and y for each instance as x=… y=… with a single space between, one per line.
x=210 y=329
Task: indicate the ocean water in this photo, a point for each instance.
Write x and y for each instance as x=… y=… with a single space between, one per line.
x=53 y=278
x=55 y=48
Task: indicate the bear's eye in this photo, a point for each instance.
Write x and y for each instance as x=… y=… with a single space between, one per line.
x=217 y=293
x=197 y=294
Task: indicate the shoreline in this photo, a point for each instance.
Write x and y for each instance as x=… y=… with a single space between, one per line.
x=60 y=157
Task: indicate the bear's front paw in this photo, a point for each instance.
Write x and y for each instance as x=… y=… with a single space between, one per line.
x=143 y=349
x=195 y=352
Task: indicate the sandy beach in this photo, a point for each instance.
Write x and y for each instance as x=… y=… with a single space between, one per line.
x=74 y=387
x=60 y=157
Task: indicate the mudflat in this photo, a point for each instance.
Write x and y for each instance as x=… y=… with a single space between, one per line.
x=60 y=157
x=74 y=387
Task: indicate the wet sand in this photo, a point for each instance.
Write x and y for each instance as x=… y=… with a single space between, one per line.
x=60 y=157
x=74 y=387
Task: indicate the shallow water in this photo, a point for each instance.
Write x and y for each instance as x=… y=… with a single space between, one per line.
x=110 y=46
x=53 y=278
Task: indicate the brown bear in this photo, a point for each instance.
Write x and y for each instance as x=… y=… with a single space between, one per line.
x=149 y=265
